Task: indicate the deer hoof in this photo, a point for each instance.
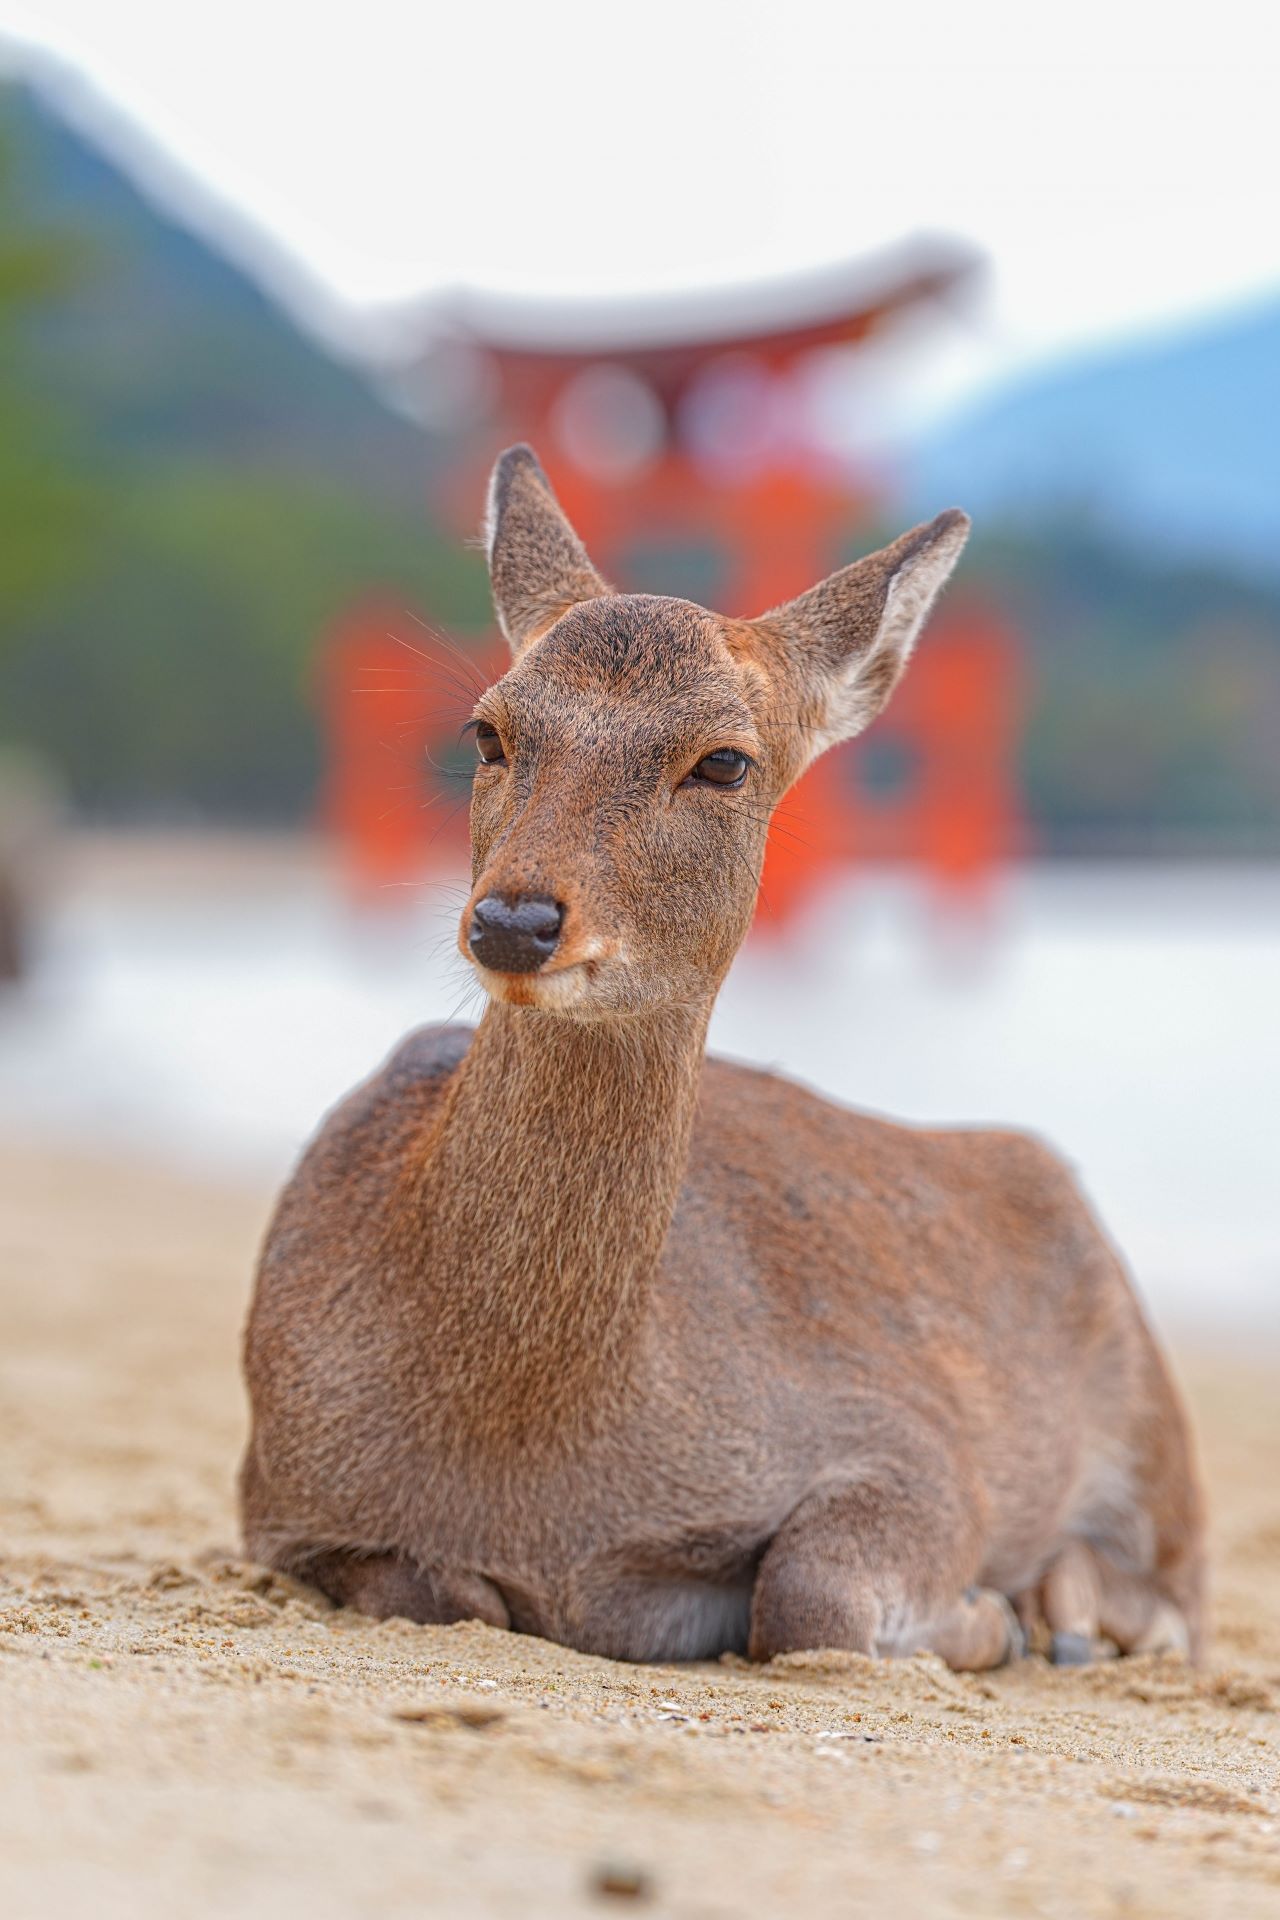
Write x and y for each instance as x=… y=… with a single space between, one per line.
x=981 y=1631
x=1071 y=1650
x=1166 y=1632
x=1017 y=1638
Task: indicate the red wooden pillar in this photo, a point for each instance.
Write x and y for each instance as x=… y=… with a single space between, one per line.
x=393 y=697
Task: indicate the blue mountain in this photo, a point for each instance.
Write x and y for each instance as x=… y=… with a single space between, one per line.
x=1171 y=441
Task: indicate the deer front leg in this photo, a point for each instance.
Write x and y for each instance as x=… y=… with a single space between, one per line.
x=390 y=1586
x=883 y=1563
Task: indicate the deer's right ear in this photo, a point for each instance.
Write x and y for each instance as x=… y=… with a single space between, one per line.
x=848 y=640
x=538 y=567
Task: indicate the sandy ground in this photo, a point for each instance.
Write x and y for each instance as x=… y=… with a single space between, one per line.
x=186 y=1735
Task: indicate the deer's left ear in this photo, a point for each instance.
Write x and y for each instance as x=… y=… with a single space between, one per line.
x=848 y=640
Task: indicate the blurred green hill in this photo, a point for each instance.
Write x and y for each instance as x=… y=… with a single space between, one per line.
x=1154 y=691
x=191 y=491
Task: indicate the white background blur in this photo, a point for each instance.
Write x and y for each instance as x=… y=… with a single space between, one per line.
x=208 y=1013
x=1117 y=167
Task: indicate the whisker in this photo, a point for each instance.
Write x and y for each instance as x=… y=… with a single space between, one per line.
x=394 y=807
x=442 y=640
x=442 y=824
x=473 y=686
x=421 y=652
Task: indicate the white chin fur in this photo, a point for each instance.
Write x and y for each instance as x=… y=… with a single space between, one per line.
x=551 y=992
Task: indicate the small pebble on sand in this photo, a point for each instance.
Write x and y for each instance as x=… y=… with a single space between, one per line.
x=618 y=1879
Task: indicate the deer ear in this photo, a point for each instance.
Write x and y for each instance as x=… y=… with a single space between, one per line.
x=538 y=567
x=849 y=638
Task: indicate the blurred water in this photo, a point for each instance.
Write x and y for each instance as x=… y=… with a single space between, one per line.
x=1127 y=1014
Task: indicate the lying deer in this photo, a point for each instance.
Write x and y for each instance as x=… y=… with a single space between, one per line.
x=563 y=1326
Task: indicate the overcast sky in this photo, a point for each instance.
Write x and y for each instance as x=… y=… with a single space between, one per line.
x=1118 y=162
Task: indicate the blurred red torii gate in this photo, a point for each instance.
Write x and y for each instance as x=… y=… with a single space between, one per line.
x=685 y=435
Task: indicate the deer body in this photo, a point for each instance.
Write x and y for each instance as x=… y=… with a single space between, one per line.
x=563 y=1325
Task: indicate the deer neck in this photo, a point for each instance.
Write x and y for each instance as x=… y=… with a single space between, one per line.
x=550 y=1187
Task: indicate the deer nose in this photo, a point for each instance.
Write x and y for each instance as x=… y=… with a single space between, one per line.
x=514 y=936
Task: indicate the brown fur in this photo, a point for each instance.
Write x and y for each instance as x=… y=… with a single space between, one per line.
x=564 y=1325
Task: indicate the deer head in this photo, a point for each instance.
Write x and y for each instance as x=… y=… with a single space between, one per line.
x=630 y=759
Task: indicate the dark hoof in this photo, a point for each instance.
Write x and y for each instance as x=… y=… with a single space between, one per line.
x=1071 y=1650
x=1017 y=1637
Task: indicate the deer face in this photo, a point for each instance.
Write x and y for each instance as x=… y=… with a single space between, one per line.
x=628 y=762
x=619 y=811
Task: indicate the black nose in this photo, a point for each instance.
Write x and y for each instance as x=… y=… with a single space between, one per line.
x=514 y=936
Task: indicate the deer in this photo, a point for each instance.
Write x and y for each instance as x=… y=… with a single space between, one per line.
x=566 y=1327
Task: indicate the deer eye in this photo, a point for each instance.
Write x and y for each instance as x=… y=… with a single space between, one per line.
x=723 y=768
x=489 y=745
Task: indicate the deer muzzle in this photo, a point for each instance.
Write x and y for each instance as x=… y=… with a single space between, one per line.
x=514 y=934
